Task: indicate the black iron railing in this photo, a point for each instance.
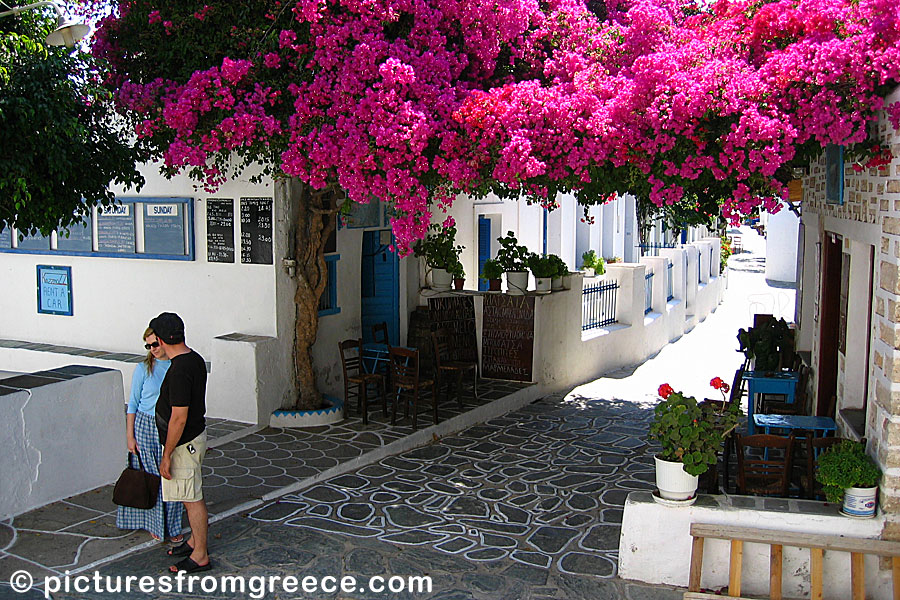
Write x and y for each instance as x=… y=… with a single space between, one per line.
x=670 y=281
x=648 y=291
x=598 y=305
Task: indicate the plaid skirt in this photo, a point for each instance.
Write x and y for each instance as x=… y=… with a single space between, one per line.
x=164 y=519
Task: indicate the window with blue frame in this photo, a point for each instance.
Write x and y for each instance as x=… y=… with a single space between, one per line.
x=328 y=302
x=834 y=174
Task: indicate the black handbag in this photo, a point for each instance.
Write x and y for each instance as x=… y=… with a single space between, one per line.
x=136 y=487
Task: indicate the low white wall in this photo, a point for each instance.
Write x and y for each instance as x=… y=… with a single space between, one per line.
x=39 y=465
x=655 y=546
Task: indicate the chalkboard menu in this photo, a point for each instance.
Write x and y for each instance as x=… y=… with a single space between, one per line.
x=256 y=231
x=79 y=239
x=115 y=229
x=456 y=316
x=220 y=230
x=507 y=337
x=34 y=242
x=164 y=228
x=6 y=238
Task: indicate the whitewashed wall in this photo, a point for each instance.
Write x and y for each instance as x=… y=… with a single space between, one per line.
x=781 y=245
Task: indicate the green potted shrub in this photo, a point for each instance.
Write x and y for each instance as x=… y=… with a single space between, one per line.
x=691 y=435
x=514 y=260
x=561 y=271
x=770 y=344
x=441 y=253
x=589 y=261
x=458 y=273
x=493 y=272
x=850 y=475
x=543 y=269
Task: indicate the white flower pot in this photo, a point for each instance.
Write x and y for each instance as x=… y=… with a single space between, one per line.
x=673 y=482
x=543 y=284
x=517 y=283
x=588 y=271
x=860 y=502
x=556 y=284
x=440 y=279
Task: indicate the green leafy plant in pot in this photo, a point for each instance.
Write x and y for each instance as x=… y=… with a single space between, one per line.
x=770 y=343
x=458 y=273
x=849 y=475
x=691 y=435
x=514 y=260
x=493 y=272
x=592 y=264
x=543 y=269
x=441 y=253
x=561 y=271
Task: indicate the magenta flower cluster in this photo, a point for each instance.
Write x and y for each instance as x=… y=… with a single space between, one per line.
x=411 y=101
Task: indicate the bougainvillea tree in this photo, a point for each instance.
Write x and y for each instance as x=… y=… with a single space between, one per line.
x=59 y=145
x=412 y=101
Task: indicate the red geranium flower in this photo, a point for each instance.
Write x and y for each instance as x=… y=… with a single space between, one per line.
x=717 y=383
x=665 y=390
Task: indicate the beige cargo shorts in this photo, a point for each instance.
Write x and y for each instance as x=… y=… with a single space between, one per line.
x=186 y=484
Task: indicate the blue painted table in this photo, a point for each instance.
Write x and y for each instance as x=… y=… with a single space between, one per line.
x=767 y=382
x=819 y=425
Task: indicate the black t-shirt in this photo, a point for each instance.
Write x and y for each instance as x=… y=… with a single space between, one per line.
x=183 y=385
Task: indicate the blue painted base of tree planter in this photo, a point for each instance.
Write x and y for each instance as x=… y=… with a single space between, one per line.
x=331 y=413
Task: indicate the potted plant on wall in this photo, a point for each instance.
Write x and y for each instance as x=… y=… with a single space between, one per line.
x=691 y=435
x=458 y=274
x=514 y=260
x=562 y=270
x=850 y=475
x=441 y=253
x=543 y=269
x=592 y=264
x=493 y=272
x=770 y=344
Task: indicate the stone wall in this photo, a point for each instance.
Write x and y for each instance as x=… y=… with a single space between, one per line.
x=871 y=203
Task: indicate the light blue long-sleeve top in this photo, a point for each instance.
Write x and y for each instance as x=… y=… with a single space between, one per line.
x=145 y=387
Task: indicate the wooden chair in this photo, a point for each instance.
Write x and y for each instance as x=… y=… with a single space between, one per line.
x=769 y=475
x=357 y=381
x=445 y=369
x=799 y=406
x=814 y=447
x=380 y=334
x=406 y=383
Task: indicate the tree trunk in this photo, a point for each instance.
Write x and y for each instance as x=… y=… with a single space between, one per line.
x=316 y=219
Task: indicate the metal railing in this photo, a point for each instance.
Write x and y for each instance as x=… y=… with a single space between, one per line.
x=653 y=249
x=670 y=281
x=648 y=291
x=598 y=305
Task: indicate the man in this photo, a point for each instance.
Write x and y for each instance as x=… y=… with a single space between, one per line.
x=180 y=418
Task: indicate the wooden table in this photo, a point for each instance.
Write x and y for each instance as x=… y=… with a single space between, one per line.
x=768 y=382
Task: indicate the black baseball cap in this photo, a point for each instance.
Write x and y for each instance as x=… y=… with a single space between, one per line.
x=168 y=327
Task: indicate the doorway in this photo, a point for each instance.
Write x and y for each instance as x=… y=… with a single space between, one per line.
x=830 y=324
x=379 y=285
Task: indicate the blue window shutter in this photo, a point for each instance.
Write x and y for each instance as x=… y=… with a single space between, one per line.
x=484 y=248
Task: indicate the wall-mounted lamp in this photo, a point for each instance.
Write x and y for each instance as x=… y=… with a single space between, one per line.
x=67 y=32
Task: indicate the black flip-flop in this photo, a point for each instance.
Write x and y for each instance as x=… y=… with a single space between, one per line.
x=189 y=566
x=183 y=549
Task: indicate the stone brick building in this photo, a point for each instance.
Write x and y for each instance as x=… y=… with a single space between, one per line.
x=848 y=308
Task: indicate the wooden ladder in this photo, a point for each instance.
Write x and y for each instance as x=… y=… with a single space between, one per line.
x=817 y=544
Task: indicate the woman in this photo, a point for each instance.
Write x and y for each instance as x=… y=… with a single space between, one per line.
x=164 y=518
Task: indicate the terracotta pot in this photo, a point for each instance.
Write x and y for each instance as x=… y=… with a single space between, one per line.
x=494 y=285
x=458 y=283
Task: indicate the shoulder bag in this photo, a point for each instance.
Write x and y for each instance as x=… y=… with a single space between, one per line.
x=136 y=487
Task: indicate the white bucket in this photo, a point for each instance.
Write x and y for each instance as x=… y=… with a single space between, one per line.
x=860 y=502
x=440 y=279
x=673 y=482
x=543 y=284
x=517 y=283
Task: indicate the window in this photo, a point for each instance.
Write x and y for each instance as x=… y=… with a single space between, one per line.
x=328 y=302
x=834 y=174
x=160 y=228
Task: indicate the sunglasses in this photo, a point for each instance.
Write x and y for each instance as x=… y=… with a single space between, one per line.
x=153 y=345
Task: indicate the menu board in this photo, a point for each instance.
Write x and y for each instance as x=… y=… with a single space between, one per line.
x=220 y=230
x=6 y=238
x=115 y=229
x=256 y=231
x=507 y=337
x=164 y=228
x=79 y=239
x=456 y=316
x=34 y=242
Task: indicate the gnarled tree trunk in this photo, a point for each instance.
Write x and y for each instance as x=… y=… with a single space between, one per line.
x=316 y=219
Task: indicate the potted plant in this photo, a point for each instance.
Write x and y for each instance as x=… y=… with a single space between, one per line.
x=492 y=271
x=514 y=260
x=441 y=253
x=691 y=435
x=850 y=475
x=770 y=344
x=543 y=269
x=561 y=271
x=589 y=263
x=458 y=274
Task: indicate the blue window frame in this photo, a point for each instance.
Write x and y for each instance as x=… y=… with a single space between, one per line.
x=834 y=174
x=328 y=302
x=166 y=228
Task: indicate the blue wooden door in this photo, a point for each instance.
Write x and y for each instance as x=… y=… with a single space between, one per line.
x=379 y=287
x=484 y=248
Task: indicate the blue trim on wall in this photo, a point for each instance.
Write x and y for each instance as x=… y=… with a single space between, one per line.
x=546 y=213
x=484 y=249
x=331 y=263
